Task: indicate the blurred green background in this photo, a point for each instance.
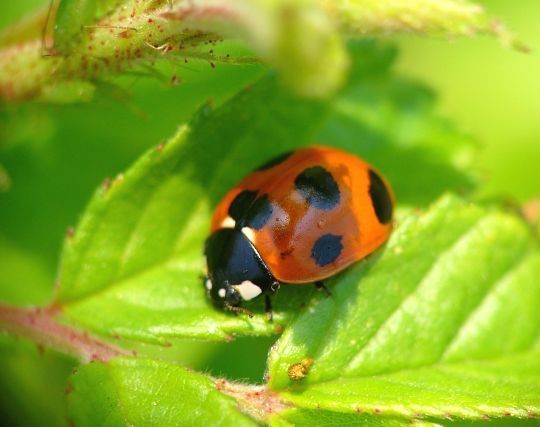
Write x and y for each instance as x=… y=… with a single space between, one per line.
x=52 y=157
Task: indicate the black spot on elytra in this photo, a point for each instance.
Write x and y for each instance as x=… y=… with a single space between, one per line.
x=241 y=204
x=248 y=210
x=382 y=202
x=318 y=187
x=326 y=249
x=259 y=213
x=275 y=161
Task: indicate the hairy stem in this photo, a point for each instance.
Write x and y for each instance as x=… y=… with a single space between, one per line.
x=40 y=326
x=137 y=32
x=257 y=401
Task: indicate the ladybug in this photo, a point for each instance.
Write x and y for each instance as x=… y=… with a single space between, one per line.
x=300 y=218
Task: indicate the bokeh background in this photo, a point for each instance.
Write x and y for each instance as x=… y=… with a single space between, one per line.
x=53 y=156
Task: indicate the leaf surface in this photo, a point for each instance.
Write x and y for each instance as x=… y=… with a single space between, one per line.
x=143 y=392
x=136 y=256
x=445 y=321
x=306 y=417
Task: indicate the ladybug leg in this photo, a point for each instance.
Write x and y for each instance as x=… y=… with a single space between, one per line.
x=237 y=310
x=321 y=286
x=268 y=307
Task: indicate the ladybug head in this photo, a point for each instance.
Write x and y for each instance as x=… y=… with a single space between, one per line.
x=236 y=272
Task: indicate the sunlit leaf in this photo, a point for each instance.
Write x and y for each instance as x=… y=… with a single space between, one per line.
x=306 y=417
x=143 y=392
x=444 y=321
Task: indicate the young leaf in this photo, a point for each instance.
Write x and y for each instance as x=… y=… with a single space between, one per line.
x=446 y=321
x=431 y=17
x=136 y=256
x=303 y=40
x=143 y=392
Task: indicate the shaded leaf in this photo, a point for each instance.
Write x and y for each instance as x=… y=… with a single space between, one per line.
x=32 y=384
x=22 y=266
x=143 y=392
x=444 y=322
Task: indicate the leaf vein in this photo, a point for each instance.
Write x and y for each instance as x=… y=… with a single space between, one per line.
x=411 y=294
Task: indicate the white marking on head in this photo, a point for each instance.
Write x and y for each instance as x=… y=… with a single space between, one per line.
x=208 y=284
x=249 y=233
x=248 y=290
x=221 y=292
x=228 y=223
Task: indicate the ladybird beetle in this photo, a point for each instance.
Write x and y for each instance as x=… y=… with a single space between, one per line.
x=300 y=218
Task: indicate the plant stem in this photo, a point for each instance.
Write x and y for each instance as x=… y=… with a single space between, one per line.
x=257 y=401
x=135 y=33
x=40 y=326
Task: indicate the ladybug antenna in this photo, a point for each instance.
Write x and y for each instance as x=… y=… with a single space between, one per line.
x=238 y=310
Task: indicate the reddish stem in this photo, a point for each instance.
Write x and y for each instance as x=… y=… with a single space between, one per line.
x=40 y=326
x=257 y=401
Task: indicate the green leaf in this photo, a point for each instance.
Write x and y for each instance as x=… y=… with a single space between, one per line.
x=136 y=256
x=22 y=266
x=318 y=417
x=32 y=384
x=306 y=417
x=391 y=122
x=446 y=321
x=143 y=392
